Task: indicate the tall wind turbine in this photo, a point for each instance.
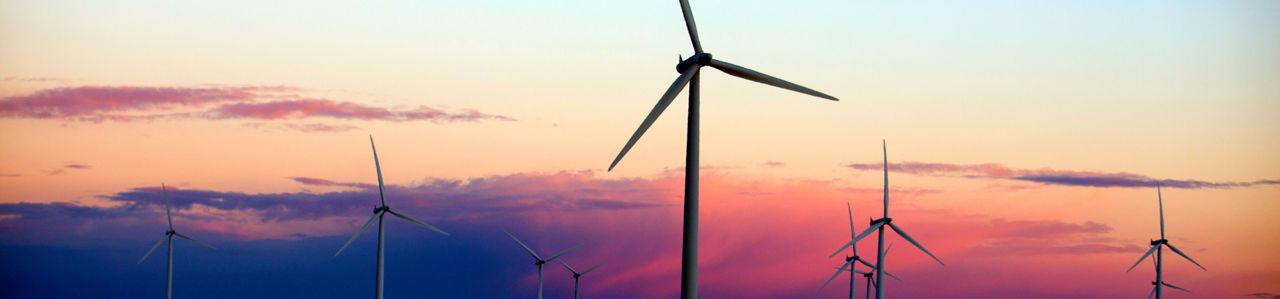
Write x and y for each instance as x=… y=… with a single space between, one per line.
x=1157 y=247
x=688 y=70
x=379 y=213
x=168 y=238
x=848 y=265
x=539 y=260
x=577 y=275
x=879 y=225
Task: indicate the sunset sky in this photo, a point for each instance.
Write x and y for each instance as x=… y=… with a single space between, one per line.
x=1024 y=140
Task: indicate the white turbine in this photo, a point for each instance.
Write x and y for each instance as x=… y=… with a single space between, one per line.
x=879 y=225
x=538 y=260
x=1157 y=247
x=379 y=213
x=168 y=238
x=577 y=275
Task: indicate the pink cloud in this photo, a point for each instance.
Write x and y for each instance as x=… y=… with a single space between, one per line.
x=127 y=103
x=1047 y=176
x=84 y=101
x=293 y=109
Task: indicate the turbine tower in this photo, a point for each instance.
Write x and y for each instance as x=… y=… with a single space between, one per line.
x=539 y=261
x=689 y=69
x=168 y=238
x=576 y=275
x=1157 y=247
x=848 y=265
x=879 y=225
x=379 y=213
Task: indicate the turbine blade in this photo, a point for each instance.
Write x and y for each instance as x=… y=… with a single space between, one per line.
x=1152 y=293
x=357 y=235
x=1160 y=199
x=913 y=242
x=852 y=233
x=839 y=270
x=418 y=222
x=865 y=263
x=381 y=197
x=1144 y=256
x=167 y=214
x=562 y=252
x=858 y=237
x=593 y=268
x=153 y=249
x=861 y=272
x=1184 y=255
x=566 y=266
x=1174 y=286
x=526 y=247
x=180 y=235
x=745 y=73
x=884 y=146
x=890 y=275
x=689 y=24
x=663 y=102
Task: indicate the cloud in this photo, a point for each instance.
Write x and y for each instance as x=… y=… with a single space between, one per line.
x=33 y=79
x=306 y=108
x=1051 y=176
x=74 y=165
x=271 y=103
x=88 y=101
x=10 y=175
x=774 y=164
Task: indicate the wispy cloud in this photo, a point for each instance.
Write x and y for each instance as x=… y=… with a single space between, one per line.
x=269 y=103
x=307 y=108
x=32 y=79
x=1052 y=176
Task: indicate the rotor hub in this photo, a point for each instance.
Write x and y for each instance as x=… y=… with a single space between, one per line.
x=1160 y=241
x=170 y=232
x=697 y=60
x=380 y=209
x=886 y=220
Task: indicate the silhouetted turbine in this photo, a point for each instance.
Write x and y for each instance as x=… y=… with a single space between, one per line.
x=1157 y=247
x=878 y=225
x=848 y=265
x=168 y=237
x=538 y=260
x=577 y=275
x=688 y=70
x=379 y=213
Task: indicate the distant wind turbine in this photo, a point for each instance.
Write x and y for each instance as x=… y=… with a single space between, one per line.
x=539 y=260
x=848 y=265
x=379 y=213
x=1157 y=247
x=168 y=237
x=878 y=225
x=868 y=275
x=689 y=69
x=577 y=275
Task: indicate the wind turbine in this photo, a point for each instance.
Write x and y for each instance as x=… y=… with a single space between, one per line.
x=868 y=275
x=539 y=261
x=380 y=212
x=168 y=238
x=577 y=275
x=878 y=225
x=688 y=70
x=848 y=265
x=1157 y=247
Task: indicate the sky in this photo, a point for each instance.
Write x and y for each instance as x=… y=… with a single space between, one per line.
x=1024 y=143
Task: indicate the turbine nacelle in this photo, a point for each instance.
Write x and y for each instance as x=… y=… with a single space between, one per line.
x=886 y=220
x=697 y=60
x=1158 y=242
x=170 y=232
x=381 y=209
